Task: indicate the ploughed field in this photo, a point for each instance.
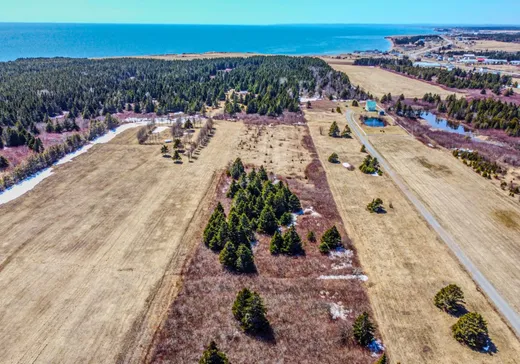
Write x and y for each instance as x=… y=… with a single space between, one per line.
x=91 y=258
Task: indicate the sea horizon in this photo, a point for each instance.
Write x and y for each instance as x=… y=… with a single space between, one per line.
x=97 y=40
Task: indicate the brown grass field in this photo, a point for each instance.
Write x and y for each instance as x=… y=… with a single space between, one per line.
x=491 y=45
x=379 y=82
x=298 y=303
x=405 y=261
x=91 y=258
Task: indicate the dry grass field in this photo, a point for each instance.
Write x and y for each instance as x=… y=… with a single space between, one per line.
x=91 y=259
x=474 y=210
x=379 y=82
x=298 y=303
x=491 y=45
x=405 y=261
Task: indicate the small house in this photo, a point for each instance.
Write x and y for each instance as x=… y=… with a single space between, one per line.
x=371 y=105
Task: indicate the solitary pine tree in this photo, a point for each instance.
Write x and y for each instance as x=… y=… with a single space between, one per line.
x=176 y=156
x=334 y=130
x=363 y=330
x=254 y=318
x=292 y=244
x=164 y=149
x=449 y=298
x=240 y=303
x=276 y=244
x=471 y=329
x=213 y=356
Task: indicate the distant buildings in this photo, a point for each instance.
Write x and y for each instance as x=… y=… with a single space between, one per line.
x=371 y=105
x=427 y=64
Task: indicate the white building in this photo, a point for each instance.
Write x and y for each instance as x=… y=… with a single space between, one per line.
x=495 y=61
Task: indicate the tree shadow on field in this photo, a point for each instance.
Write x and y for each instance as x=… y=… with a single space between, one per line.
x=267 y=336
x=458 y=311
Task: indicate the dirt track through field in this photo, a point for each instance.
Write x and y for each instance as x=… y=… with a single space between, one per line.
x=405 y=261
x=95 y=251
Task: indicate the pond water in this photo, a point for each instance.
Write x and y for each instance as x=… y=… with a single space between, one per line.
x=374 y=123
x=444 y=124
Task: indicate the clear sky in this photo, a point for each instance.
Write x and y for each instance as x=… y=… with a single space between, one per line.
x=263 y=11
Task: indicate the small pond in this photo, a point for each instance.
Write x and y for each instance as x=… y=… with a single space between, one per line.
x=374 y=123
x=444 y=124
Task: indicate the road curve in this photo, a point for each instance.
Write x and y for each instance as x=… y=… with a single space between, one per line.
x=501 y=304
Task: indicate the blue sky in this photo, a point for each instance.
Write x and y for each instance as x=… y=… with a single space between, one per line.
x=263 y=12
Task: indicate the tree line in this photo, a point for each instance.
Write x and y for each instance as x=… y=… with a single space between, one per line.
x=509 y=56
x=35 y=90
x=456 y=78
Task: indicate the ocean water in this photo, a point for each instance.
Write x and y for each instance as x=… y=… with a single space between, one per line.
x=19 y=40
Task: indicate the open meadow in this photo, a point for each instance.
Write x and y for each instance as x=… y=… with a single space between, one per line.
x=310 y=317
x=380 y=82
x=91 y=258
x=404 y=260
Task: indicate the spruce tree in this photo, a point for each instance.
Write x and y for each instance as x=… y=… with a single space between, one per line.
x=233 y=189
x=363 y=329
x=267 y=221
x=294 y=203
x=262 y=174
x=292 y=244
x=311 y=237
x=330 y=240
x=383 y=359
x=245 y=262
x=254 y=318
x=237 y=169
x=221 y=236
x=334 y=130
x=286 y=219
x=213 y=356
x=275 y=247
x=449 y=298
x=240 y=303
x=471 y=329
x=228 y=256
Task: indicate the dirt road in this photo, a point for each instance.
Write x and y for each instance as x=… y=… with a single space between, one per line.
x=91 y=258
x=505 y=308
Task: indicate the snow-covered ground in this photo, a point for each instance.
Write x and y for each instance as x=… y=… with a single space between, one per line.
x=159 y=129
x=29 y=183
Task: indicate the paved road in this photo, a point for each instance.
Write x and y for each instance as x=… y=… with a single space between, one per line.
x=503 y=307
x=426 y=50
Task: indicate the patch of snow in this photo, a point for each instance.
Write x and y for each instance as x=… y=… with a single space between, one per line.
x=346 y=277
x=305 y=99
x=25 y=186
x=69 y=157
x=375 y=174
x=341 y=253
x=159 y=129
x=167 y=140
x=111 y=134
x=342 y=265
x=348 y=166
x=376 y=347
x=310 y=211
x=338 y=311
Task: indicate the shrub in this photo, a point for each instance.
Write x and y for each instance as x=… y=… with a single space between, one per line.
x=240 y=303
x=363 y=149
x=471 y=329
x=292 y=244
x=449 y=298
x=346 y=132
x=355 y=103
x=213 y=356
x=334 y=130
x=311 y=237
x=334 y=158
x=286 y=219
x=363 y=330
x=176 y=156
x=330 y=240
x=375 y=206
x=164 y=149
x=338 y=110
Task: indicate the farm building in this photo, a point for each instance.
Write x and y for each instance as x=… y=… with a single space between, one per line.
x=495 y=61
x=371 y=105
x=515 y=63
x=427 y=64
